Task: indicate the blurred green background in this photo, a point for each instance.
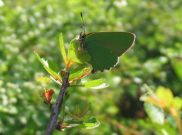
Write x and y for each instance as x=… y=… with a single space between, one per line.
x=28 y=25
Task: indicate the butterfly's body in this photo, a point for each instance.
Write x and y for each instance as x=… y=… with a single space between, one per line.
x=105 y=48
x=81 y=39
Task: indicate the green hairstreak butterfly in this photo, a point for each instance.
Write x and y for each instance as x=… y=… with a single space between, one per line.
x=105 y=48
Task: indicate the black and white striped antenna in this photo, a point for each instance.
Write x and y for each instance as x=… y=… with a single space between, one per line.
x=83 y=23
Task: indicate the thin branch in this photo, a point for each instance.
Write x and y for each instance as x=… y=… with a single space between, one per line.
x=57 y=107
x=179 y=123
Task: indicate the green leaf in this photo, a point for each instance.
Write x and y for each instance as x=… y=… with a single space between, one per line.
x=80 y=110
x=62 y=48
x=79 y=73
x=165 y=95
x=177 y=102
x=155 y=114
x=90 y=123
x=45 y=64
x=76 y=54
x=72 y=51
x=43 y=79
x=177 y=66
x=83 y=55
x=96 y=84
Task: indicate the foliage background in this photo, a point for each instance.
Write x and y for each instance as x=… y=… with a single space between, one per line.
x=31 y=25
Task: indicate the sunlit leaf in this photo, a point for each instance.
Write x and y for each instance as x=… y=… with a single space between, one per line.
x=155 y=114
x=73 y=50
x=62 y=48
x=153 y=99
x=79 y=73
x=48 y=69
x=76 y=54
x=56 y=81
x=83 y=56
x=89 y=123
x=177 y=66
x=96 y=84
x=43 y=79
x=165 y=95
x=177 y=102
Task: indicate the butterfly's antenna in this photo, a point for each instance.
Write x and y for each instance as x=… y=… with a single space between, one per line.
x=83 y=23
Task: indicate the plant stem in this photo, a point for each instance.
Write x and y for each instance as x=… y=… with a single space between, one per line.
x=179 y=123
x=57 y=107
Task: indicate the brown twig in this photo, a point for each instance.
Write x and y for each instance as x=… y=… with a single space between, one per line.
x=127 y=130
x=179 y=123
x=57 y=107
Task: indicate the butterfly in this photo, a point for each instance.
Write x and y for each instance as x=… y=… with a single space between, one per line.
x=105 y=48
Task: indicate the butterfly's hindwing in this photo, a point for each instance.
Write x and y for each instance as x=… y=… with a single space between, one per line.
x=105 y=48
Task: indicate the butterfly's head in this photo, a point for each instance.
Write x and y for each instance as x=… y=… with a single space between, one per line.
x=82 y=39
x=82 y=35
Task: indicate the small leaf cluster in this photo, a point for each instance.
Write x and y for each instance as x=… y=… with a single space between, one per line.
x=75 y=64
x=75 y=61
x=163 y=109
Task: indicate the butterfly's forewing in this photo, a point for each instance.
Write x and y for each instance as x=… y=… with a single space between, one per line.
x=105 y=48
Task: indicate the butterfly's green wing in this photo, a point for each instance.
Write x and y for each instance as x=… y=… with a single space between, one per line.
x=105 y=48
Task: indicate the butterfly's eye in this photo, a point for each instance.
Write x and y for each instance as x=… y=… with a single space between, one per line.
x=81 y=35
x=81 y=39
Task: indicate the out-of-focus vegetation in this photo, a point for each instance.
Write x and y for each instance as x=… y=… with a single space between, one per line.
x=156 y=59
